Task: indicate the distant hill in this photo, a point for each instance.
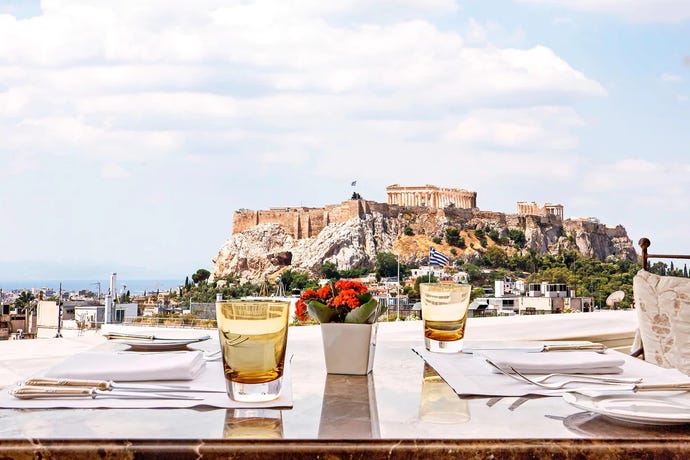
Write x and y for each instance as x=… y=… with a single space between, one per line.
x=350 y=235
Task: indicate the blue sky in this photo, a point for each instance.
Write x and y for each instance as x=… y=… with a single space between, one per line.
x=132 y=130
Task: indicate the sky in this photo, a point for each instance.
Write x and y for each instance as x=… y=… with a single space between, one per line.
x=130 y=131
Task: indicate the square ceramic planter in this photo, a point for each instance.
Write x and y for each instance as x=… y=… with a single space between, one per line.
x=349 y=348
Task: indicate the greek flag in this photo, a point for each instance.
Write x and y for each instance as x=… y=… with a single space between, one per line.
x=437 y=258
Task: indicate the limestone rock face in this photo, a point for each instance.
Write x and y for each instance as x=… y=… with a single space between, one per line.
x=259 y=251
x=262 y=250
x=266 y=249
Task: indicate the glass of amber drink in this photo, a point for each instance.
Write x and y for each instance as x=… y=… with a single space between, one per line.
x=253 y=337
x=444 y=311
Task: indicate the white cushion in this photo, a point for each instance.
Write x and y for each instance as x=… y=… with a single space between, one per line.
x=663 y=311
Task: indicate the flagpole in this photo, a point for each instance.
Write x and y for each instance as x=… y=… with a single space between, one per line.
x=397 y=297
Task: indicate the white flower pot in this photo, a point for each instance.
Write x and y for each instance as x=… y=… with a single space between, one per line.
x=349 y=348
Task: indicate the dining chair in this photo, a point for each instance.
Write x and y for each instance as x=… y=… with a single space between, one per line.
x=663 y=312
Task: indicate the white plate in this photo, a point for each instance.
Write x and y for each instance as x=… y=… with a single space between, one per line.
x=672 y=409
x=161 y=345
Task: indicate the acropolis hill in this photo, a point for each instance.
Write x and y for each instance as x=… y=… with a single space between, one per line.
x=351 y=233
x=302 y=222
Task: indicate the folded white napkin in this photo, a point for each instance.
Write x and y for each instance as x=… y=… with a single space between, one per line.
x=571 y=362
x=129 y=366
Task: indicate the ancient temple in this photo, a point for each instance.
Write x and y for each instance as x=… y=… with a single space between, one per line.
x=431 y=196
x=531 y=208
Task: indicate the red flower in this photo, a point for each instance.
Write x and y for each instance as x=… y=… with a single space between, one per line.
x=343 y=296
x=348 y=297
x=301 y=306
x=301 y=310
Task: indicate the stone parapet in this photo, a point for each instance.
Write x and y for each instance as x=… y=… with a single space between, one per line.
x=302 y=222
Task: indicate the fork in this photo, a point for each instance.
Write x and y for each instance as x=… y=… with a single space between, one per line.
x=595 y=378
x=550 y=386
x=559 y=385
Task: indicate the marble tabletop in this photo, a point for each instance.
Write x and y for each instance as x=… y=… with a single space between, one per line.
x=403 y=409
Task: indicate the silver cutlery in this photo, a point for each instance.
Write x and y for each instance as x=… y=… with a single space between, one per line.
x=121 y=335
x=35 y=392
x=559 y=385
x=532 y=347
x=596 y=347
x=562 y=384
x=599 y=378
x=109 y=385
x=608 y=386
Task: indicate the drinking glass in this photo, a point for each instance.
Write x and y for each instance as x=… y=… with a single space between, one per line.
x=444 y=311
x=253 y=336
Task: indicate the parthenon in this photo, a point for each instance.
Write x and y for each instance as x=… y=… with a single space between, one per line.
x=431 y=196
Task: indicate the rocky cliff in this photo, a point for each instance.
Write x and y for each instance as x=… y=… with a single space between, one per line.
x=267 y=248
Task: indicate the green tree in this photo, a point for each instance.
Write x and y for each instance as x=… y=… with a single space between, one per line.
x=201 y=275
x=476 y=292
x=408 y=231
x=386 y=265
x=422 y=279
x=517 y=237
x=354 y=272
x=24 y=300
x=453 y=237
x=295 y=280
x=330 y=271
x=495 y=257
x=474 y=273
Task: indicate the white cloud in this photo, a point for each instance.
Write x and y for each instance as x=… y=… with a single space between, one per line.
x=113 y=171
x=670 y=78
x=661 y=180
x=491 y=32
x=537 y=127
x=563 y=21
x=122 y=81
x=18 y=165
x=632 y=10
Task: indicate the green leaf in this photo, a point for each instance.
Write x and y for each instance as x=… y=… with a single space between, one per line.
x=364 y=298
x=363 y=313
x=319 y=311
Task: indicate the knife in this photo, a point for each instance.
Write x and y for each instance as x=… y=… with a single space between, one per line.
x=32 y=392
x=683 y=386
x=109 y=385
x=531 y=346
x=598 y=347
x=118 y=335
x=623 y=388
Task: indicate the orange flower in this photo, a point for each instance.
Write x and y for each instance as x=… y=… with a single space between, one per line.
x=324 y=292
x=348 y=297
x=343 y=296
x=301 y=306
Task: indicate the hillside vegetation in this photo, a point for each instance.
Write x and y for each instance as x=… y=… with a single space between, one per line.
x=485 y=255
